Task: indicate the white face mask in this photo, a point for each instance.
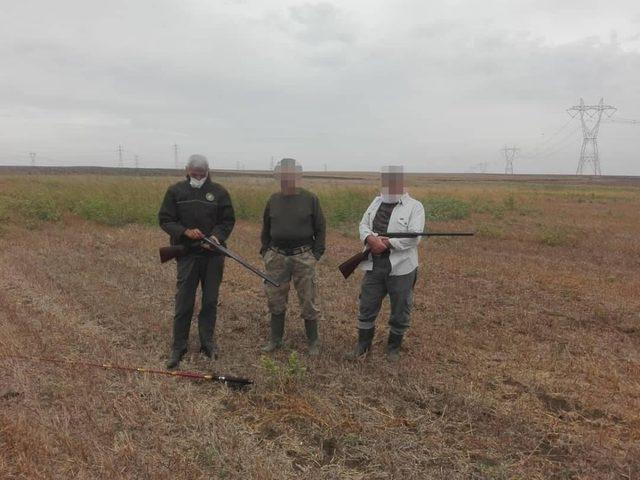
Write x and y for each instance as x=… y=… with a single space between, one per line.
x=195 y=183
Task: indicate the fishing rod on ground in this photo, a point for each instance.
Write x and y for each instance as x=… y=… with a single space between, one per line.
x=236 y=383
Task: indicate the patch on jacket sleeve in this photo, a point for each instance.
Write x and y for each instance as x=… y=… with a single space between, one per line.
x=210 y=196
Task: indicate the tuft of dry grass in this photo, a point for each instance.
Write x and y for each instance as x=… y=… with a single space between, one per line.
x=520 y=362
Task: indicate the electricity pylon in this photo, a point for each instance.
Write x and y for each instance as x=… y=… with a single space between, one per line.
x=510 y=154
x=590 y=117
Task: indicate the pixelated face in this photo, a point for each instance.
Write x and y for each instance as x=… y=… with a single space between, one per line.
x=197 y=173
x=392 y=180
x=289 y=175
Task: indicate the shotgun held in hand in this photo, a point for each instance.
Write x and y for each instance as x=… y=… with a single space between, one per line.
x=349 y=266
x=176 y=251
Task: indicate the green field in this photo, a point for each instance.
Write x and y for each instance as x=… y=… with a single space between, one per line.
x=521 y=360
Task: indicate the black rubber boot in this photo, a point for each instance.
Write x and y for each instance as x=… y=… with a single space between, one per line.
x=277 y=331
x=210 y=350
x=174 y=359
x=311 y=328
x=393 y=346
x=365 y=337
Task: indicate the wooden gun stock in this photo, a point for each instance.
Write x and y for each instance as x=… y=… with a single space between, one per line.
x=349 y=266
x=171 y=252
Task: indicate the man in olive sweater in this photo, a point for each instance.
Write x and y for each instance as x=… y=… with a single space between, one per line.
x=193 y=209
x=293 y=240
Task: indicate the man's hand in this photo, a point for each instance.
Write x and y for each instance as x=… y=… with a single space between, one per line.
x=194 y=234
x=386 y=242
x=376 y=244
x=209 y=247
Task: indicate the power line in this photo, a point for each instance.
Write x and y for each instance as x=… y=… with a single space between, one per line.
x=554 y=147
x=120 y=155
x=628 y=121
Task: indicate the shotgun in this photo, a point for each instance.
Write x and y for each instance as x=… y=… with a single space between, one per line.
x=348 y=267
x=236 y=383
x=176 y=251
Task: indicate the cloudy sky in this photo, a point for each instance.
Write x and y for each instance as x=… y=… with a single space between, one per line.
x=437 y=86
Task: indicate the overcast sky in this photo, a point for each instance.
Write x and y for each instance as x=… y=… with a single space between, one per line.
x=437 y=86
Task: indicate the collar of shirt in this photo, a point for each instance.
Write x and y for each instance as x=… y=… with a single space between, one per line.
x=403 y=198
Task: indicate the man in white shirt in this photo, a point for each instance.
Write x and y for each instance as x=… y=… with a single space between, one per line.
x=392 y=267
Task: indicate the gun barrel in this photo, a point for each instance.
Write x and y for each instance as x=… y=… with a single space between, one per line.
x=427 y=234
x=241 y=261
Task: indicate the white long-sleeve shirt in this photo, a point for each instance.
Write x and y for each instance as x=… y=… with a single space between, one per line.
x=407 y=216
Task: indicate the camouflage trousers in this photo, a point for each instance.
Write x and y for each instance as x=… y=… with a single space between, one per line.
x=301 y=269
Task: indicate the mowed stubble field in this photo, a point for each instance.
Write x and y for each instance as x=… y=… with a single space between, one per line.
x=522 y=360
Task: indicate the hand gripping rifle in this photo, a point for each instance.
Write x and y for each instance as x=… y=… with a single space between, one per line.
x=348 y=267
x=175 y=251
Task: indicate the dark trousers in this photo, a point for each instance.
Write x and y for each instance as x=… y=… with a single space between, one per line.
x=207 y=271
x=377 y=284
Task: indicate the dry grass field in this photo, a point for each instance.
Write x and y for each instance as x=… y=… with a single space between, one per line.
x=523 y=360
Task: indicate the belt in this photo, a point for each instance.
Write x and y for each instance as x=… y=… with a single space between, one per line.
x=291 y=251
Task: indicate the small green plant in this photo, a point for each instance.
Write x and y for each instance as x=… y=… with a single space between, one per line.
x=509 y=202
x=490 y=231
x=4 y=211
x=284 y=376
x=555 y=236
x=270 y=366
x=295 y=368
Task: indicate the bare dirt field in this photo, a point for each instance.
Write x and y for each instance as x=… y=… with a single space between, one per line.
x=523 y=359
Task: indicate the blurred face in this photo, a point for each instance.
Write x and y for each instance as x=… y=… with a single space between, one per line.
x=392 y=183
x=290 y=176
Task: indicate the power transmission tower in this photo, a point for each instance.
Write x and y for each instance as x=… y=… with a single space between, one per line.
x=136 y=161
x=271 y=164
x=590 y=117
x=32 y=155
x=175 y=155
x=510 y=154
x=120 y=155
x=479 y=167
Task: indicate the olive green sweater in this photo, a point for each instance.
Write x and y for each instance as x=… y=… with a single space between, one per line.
x=291 y=221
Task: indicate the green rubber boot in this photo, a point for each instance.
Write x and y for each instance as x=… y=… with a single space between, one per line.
x=277 y=331
x=311 y=327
